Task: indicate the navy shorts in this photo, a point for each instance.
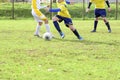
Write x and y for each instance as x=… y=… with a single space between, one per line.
x=100 y=13
x=67 y=21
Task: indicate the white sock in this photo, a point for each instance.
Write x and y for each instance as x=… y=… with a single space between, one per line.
x=37 y=29
x=47 y=27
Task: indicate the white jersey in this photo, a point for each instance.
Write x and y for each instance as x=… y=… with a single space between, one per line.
x=37 y=14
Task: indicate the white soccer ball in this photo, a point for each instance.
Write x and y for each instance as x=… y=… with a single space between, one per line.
x=47 y=36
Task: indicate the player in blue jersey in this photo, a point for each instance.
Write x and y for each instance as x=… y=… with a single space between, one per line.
x=100 y=12
x=63 y=15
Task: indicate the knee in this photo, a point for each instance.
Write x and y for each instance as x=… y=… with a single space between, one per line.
x=40 y=23
x=46 y=21
x=71 y=27
x=105 y=20
x=55 y=19
x=96 y=19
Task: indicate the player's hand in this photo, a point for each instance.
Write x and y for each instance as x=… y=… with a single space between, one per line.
x=47 y=9
x=109 y=9
x=87 y=10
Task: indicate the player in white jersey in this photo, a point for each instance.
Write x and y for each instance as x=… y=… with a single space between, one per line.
x=39 y=16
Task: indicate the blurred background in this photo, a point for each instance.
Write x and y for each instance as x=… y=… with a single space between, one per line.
x=21 y=9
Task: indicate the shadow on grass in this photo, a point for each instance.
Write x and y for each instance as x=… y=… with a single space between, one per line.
x=88 y=42
x=67 y=40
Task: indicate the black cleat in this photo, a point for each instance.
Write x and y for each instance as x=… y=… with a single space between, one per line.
x=62 y=35
x=80 y=38
x=93 y=31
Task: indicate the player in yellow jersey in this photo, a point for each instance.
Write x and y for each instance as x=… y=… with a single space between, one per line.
x=63 y=15
x=100 y=12
x=39 y=16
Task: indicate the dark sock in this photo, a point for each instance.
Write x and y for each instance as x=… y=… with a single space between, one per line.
x=57 y=26
x=108 y=25
x=95 y=24
x=76 y=33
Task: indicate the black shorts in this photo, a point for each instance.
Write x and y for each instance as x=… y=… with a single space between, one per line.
x=67 y=21
x=100 y=12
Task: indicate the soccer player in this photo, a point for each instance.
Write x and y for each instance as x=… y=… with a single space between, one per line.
x=39 y=16
x=63 y=15
x=100 y=12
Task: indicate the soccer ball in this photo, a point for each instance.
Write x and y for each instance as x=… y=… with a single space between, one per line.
x=47 y=36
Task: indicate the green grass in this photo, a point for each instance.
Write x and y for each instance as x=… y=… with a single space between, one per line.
x=25 y=57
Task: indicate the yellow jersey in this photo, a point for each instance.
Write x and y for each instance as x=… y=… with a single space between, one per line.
x=64 y=11
x=100 y=4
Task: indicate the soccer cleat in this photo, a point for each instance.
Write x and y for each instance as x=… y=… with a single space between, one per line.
x=62 y=35
x=109 y=31
x=37 y=35
x=93 y=31
x=80 y=38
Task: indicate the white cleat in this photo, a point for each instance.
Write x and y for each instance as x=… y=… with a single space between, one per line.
x=37 y=35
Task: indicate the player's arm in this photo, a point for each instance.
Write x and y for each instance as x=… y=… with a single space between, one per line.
x=69 y=2
x=89 y=5
x=108 y=4
x=61 y=8
x=54 y=9
x=48 y=9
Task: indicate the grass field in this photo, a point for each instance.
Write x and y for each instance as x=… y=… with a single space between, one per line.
x=25 y=57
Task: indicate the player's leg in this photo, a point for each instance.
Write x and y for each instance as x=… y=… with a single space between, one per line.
x=103 y=15
x=69 y=24
x=38 y=26
x=55 y=22
x=48 y=27
x=95 y=24
x=96 y=20
x=44 y=18
x=74 y=30
x=107 y=24
x=38 y=29
x=36 y=14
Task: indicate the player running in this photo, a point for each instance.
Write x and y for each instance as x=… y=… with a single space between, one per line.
x=100 y=12
x=63 y=15
x=39 y=16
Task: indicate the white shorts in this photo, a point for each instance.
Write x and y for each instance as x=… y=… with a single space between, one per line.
x=38 y=16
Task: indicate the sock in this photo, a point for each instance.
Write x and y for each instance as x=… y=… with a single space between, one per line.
x=108 y=25
x=47 y=27
x=95 y=24
x=37 y=29
x=57 y=26
x=76 y=33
